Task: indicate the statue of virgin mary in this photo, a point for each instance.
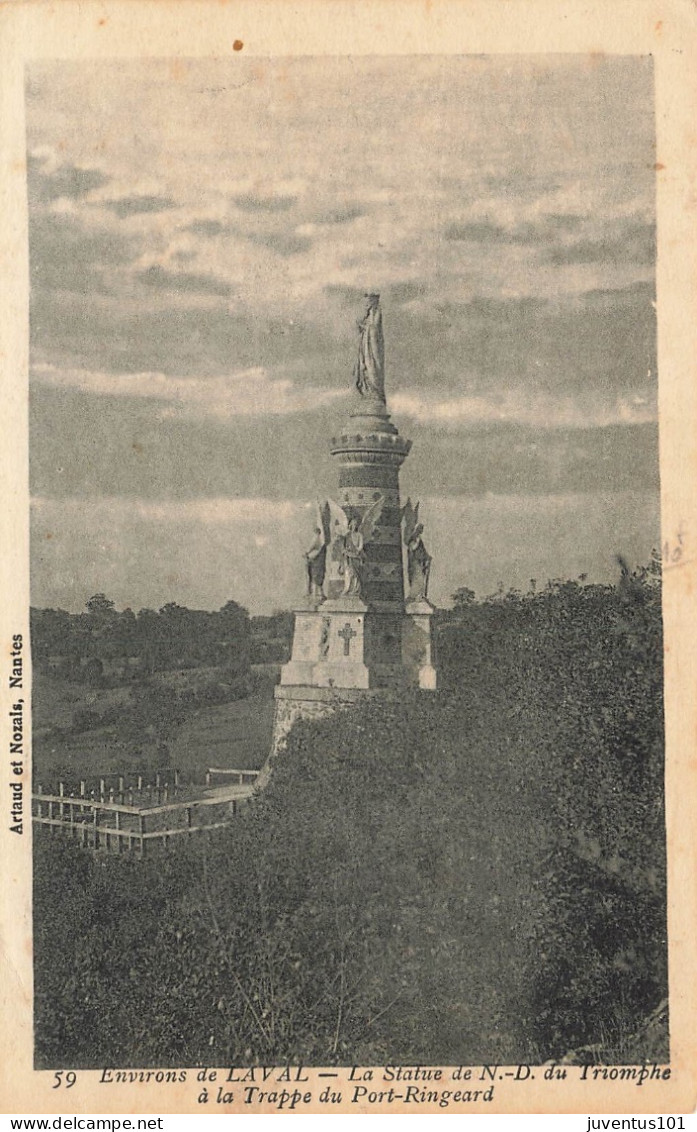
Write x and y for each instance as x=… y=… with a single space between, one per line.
x=369 y=370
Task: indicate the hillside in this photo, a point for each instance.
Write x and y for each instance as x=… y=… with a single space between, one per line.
x=190 y=719
x=469 y=877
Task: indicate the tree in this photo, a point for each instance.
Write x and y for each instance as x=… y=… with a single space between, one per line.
x=100 y=604
x=463 y=597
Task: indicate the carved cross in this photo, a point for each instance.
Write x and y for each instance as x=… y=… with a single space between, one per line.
x=348 y=634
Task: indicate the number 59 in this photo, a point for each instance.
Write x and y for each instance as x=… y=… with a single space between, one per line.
x=70 y=1079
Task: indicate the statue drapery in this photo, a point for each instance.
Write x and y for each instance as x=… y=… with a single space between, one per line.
x=369 y=370
x=418 y=559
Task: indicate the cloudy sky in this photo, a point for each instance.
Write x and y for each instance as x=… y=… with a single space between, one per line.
x=201 y=235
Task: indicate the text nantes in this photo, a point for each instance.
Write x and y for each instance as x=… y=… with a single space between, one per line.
x=16 y=739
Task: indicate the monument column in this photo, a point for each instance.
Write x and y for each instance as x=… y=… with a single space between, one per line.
x=370 y=452
x=356 y=636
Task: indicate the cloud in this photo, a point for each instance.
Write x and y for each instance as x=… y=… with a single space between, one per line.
x=206 y=227
x=507 y=457
x=518 y=407
x=213 y=511
x=151 y=331
x=634 y=243
x=151 y=436
x=48 y=181
x=502 y=340
x=512 y=537
x=134 y=205
x=66 y=256
x=284 y=243
x=143 y=553
x=251 y=392
x=145 y=446
x=477 y=231
x=395 y=292
x=341 y=214
x=293 y=242
x=612 y=242
x=249 y=202
x=541 y=229
x=346 y=294
x=201 y=552
x=159 y=277
x=592 y=348
x=404 y=292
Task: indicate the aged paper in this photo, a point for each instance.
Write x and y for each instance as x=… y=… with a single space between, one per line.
x=201 y=201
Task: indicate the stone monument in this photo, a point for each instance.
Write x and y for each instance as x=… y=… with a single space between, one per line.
x=360 y=633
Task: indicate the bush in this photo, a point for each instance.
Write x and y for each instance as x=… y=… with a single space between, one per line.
x=472 y=876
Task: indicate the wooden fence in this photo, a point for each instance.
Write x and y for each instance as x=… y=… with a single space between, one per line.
x=130 y=819
x=242 y=776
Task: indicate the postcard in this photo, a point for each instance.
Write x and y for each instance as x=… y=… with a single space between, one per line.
x=348 y=563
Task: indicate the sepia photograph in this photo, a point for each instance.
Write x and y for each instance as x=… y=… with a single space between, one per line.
x=346 y=562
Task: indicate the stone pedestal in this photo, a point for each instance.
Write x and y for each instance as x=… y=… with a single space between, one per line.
x=345 y=644
x=329 y=646
x=305 y=702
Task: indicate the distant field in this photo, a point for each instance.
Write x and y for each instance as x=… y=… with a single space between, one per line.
x=235 y=734
x=54 y=701
x=230 y=735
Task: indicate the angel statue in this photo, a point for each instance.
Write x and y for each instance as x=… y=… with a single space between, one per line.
x=418 y=559
x=347 y=548
x=369 y=370
x=316 y=556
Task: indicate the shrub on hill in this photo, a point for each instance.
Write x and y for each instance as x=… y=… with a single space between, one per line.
x=475 y=876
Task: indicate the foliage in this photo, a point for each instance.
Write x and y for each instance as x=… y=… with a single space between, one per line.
x=469 y=877
x=271 y=638
x=78 y=645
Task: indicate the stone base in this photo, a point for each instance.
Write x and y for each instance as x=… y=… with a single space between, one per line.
x=300 y=702
x=329 y=646
x=345 y=644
